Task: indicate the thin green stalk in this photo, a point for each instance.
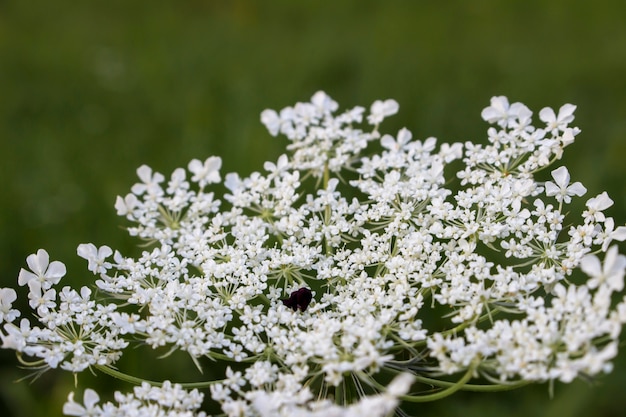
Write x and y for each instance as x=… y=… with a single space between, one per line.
x=473 y=387
x=339 y=393
x=454 y=387
x=327 y=209
x=138 y=381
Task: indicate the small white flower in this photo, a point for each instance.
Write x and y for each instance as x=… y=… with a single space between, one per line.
x=15 y=337
x=40 y=298
x=207 y=172
x=324 y=103
x=561 y=188
x=395 y=145
x=597 y=205
x=150 y=182
x=557 y=122
x=45 y=272
x=89 y=409
x=126 y=205
x=381 y=109
x=95 y=256
x=177 y=182
x=275 y=168
x=611 y=273
x=610 y=233
x=271 y=120
x=7 y=296
x=501 y=112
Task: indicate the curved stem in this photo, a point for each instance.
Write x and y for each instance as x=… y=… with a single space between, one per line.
x=30 y=364
x=138 y=381
x=454 y=387
x=473 y=387
x=495 y=386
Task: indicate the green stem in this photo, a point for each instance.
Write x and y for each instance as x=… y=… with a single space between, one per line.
x=398 y=367
x=264 y=299
x=138 y=381
x=326 y=175
x=29 y=364
x=339 y=393
x=327 y=211
x=473 y=387
x=454 y=387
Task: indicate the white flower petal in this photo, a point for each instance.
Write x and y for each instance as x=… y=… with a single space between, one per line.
x=591 y=266
x=547 y=115
x=561 y=177
x=566 y=113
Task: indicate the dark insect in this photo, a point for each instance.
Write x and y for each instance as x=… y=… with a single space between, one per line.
x=299 y=299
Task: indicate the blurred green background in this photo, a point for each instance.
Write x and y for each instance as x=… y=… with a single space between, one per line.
x=91 y=90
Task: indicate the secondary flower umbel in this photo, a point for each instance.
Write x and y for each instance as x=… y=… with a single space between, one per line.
x=321 y=274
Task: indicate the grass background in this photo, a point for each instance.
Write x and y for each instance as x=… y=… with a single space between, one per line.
x=91 y=90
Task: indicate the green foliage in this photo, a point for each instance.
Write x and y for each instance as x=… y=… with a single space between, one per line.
x=92 y=90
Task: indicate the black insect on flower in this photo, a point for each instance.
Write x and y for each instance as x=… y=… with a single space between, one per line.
x=299 y=299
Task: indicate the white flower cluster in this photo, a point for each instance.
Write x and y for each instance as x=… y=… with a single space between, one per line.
x=333 y=270
x=169 y=400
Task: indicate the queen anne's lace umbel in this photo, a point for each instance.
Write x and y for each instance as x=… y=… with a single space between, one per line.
x=335 y=269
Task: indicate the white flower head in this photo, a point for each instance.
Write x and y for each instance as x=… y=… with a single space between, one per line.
x=334 y=258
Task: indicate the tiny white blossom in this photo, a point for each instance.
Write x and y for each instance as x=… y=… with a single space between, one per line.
x=557 y=122
x=610 y=273
x=597 y=205
x=323 y=102
x=381 y=109
x=561 y=188
x=610 y=233
x=7 y=296
x=95 y=256
x=126 y=205
x=271 y=120
x=89 y=409
x=207 y=172
x=400 y=385
x=281 y=165
x=150 y=181
x=45 y=272
x=501 y=112
x=395 y=145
